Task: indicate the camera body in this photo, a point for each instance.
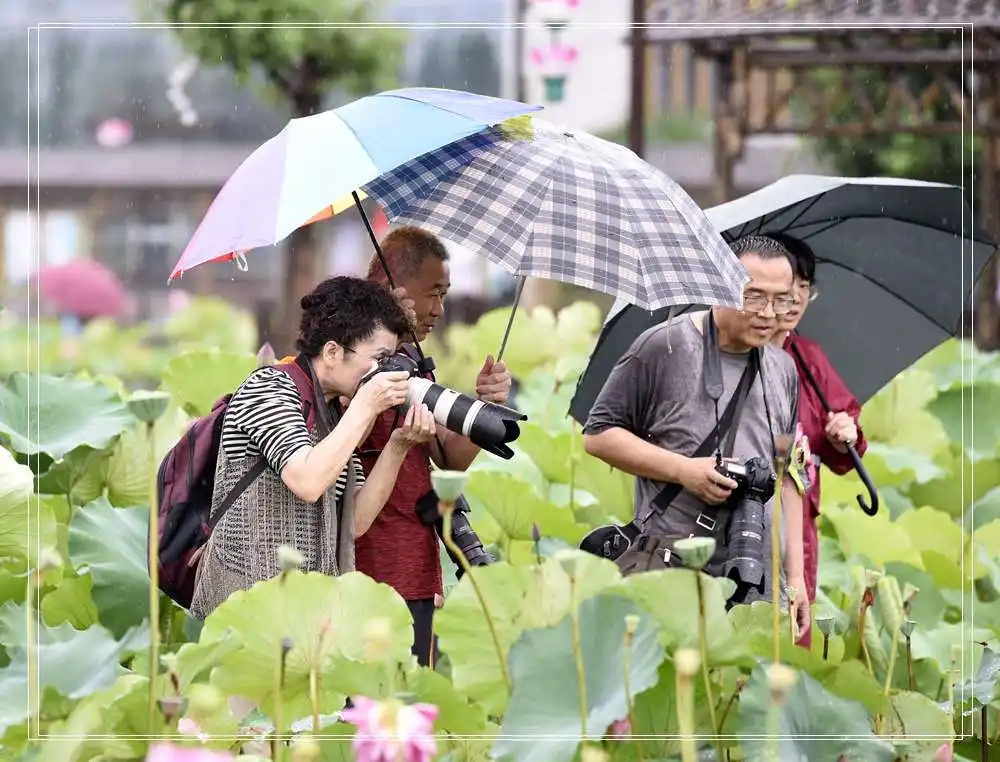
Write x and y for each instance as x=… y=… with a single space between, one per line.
x=462 y=533
x=756 y=482
x=490 y=426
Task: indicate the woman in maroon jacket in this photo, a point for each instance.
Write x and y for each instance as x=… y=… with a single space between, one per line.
x=827 y=433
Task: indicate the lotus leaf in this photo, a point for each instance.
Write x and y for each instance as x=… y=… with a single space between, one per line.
x=543 y=720
x=811 y=723
x=323 y=617
x=196 y=379
x=51 y=415
x=72 y=663
x=70 y=602
x=927 y=725
x=110 y=543
x=516 y=508
x=968 y=414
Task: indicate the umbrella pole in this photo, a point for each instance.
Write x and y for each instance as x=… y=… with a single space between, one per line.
x=510 y=320
x=866 y=479
x=384 y=263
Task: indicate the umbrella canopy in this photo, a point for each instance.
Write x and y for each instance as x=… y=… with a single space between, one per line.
x=896 y=265
x=308 y=171
x=82 y=288
x=546 y=201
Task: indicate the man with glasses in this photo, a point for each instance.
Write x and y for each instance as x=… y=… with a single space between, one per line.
x=660 y=417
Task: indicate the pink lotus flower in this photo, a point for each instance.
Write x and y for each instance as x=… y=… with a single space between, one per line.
x=188 y=727
x=620 y=728
x=165 y=752
x=389 y=731
x=943 y=754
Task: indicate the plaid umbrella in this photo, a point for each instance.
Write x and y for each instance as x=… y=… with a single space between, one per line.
x=560 y=204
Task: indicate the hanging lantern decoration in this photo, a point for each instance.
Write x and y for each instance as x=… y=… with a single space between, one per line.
x=555 y=61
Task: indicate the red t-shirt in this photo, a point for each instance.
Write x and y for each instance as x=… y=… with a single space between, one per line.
x=398 y=549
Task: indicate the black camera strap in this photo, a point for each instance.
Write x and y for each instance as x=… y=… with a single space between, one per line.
x=725 y=426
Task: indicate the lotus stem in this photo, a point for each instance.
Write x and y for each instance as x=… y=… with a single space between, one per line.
x=154 y=581
x=867 y=600
x=892 y=662
x=740 y=682
x=781 y=680
x=910 y=681
x=826 y=646
x=685 y=668
x=277 y=745
x=703 y=652
x=776 y=561
x=34 y=702
x=581 y=677
x=314 y=697
x=631 y=624
x=572 y=469
x=446 y=509
x=984 y=736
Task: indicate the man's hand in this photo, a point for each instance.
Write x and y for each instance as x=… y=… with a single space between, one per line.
x=700 y=478
x=841 y=430
x=798 y=608
x=493 y=382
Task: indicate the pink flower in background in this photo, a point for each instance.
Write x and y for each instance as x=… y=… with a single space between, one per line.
x=567 y=3
x=165 y=752
x=620 y=728
x=554 y=60
x=392 y=732
x=943 y=754
x=188 y=727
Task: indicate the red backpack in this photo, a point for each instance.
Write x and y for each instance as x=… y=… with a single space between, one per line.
x=185 y=483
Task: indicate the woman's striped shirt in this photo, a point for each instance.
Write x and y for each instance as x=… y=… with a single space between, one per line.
x=265 y=417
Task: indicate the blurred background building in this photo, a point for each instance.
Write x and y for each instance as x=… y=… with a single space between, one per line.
x=124 y=181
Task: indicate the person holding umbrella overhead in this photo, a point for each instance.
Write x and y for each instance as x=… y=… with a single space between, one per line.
x=828 y=412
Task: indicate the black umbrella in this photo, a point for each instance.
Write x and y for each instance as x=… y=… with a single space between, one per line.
x=896 y=264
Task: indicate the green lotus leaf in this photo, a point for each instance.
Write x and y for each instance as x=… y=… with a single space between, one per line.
x=983 y=687
x=671 y=597
x=546 y=699
x=128 y=472
x=80 y=475
x=110 y=544
x=899 y=466
x=53 y=415
x=982 y=541
x=516 y=508
x=112 y=714
x=324 y=618
x=211 y=321
x=195 y=660
x=456 y=714
x=940 y=542
x=613 y=489
x=896 y=415
x=921 y=722
x=985 y=510
x=196 y=379
x=877 y=538
x=550 y=452
x=812 y=724
x=936 y=644
x=968 y=414
x=70 y=602
x=72 y=663
x=518 y=598
x=27 y=525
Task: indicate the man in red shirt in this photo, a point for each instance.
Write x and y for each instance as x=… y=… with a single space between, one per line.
x=399 y=549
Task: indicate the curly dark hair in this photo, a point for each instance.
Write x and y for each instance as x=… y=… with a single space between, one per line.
x=406 y=249
x=348 y=311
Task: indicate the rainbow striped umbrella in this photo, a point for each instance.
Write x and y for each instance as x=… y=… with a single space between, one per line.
x=309 y=170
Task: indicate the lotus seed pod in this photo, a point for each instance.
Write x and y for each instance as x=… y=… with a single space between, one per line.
x=781 y=679
x=826 y=624
x=306 y=749
x=907 y=627
x=289 y=558
x=148 y=406
x=377 y=639
x=449 y=484
x=205 y=701
x=286 y=645
x=536 y=533
x=695 y=552
x=631 y=624
x=686 y=662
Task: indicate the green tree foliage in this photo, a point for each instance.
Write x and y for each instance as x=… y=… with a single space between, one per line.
x=303 y=65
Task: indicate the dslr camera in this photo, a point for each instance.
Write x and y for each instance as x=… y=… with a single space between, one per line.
x=462 y=533
x=744 y=565
x=490 y=426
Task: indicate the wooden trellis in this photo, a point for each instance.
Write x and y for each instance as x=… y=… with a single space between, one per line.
x=936 y=62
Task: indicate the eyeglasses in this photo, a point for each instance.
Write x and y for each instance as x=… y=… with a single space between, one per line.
x=757 y=302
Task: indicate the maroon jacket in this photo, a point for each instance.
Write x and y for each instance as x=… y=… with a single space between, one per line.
x=813 y=417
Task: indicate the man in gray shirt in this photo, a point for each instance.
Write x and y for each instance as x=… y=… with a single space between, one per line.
x=654 y=411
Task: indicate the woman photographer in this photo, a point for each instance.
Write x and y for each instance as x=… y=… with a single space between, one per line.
x=825 y=434
x=313 y=496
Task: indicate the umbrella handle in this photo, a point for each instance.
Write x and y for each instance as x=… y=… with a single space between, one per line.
x=870 y=509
